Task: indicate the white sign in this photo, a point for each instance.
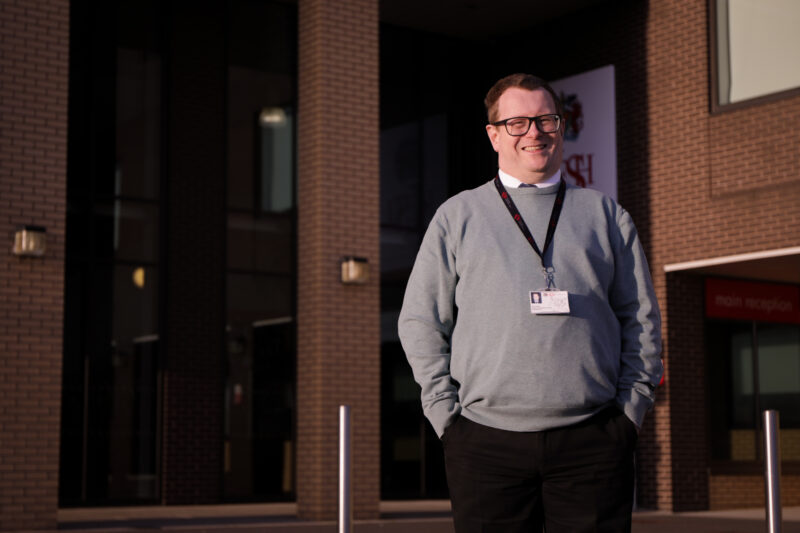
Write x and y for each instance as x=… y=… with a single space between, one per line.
x=590 y=139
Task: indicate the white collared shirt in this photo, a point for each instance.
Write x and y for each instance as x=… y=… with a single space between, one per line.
x=511 y=182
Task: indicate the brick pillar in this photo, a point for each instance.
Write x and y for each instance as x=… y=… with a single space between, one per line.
x=654 y=455
x=687 y=385
x=34 y=51
x=195 y=251
x=678 y=180
x=338 y=180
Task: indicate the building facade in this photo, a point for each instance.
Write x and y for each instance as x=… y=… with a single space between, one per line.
x=200 y=172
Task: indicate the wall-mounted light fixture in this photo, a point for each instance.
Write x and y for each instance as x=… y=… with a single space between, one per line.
x=138 y=277
x=272 y=116
x=355 y=270
x=30 y=241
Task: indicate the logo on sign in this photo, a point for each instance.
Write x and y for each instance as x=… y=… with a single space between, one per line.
x=577 y=167
x=573 y=116
x=589 y=126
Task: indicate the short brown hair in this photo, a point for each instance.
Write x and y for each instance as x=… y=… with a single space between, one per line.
x=523 y=81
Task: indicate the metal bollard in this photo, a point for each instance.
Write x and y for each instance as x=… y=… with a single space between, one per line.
x=345 y=471
x=772 y=470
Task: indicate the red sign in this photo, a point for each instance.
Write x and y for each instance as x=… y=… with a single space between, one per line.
x=746 y=300
x=579 y=168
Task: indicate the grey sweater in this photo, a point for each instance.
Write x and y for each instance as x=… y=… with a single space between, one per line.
x=477 y=350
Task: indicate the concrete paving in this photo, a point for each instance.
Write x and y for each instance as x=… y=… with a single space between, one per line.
x=397 y=517
x=733 y=521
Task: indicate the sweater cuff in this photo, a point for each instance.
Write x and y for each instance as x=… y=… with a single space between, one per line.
x=634 y=405
x=442 y=414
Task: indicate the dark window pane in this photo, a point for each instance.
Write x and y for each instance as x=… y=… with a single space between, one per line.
x=138 y=139
x=126 y=231
x=779 y=375
x=739 y=394
x=275 y=154
x=260 y=385
x=111 y=348
x=260 y=388
x=261 y=90
x=260 y=244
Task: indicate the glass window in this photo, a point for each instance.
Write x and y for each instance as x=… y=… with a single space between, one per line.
x=261 y=106
x=754 y=367
x=757 y=48
x=259 y=445
x=260 y=388
x=275 y=167
x=262 y=244
x=413 y=184
x=779 y=371
x=109 y=422
x=415 y=157
x=138 y=116
x=125 y=230
x=133 y=387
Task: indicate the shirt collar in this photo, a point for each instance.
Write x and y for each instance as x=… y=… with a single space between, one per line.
x=511 y=182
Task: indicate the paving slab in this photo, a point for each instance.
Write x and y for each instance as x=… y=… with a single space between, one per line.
x=396 y=517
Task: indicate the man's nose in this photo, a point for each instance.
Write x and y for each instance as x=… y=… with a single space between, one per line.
x=533 y=131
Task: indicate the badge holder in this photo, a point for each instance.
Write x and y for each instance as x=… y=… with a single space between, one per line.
x=549 y=301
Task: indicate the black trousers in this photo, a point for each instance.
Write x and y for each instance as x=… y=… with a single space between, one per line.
x=567 y=480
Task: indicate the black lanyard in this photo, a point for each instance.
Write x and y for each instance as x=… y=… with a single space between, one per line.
x=551 y=227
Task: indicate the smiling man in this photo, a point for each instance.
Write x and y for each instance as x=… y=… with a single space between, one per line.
x=530 y=154
x=531 y=324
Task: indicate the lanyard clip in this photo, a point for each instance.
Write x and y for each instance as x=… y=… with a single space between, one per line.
x=549 y=277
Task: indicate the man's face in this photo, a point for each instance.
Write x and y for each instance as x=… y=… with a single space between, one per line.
x=532 y=157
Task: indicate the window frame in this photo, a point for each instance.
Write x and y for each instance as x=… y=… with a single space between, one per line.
x=715 y=106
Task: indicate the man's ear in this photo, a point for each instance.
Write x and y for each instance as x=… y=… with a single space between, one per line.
x=493 y=134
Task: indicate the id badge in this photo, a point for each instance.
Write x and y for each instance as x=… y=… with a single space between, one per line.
x=549 y=302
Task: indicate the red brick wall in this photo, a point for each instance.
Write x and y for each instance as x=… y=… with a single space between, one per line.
x=719 y=184
x=338 y=186
x=34 y=48
x=740 y=491
x=687 y=393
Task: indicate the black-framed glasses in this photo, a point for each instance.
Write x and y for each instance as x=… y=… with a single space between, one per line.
x=519 y=126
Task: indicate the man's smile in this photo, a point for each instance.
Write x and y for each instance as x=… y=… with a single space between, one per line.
x=537 y=148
